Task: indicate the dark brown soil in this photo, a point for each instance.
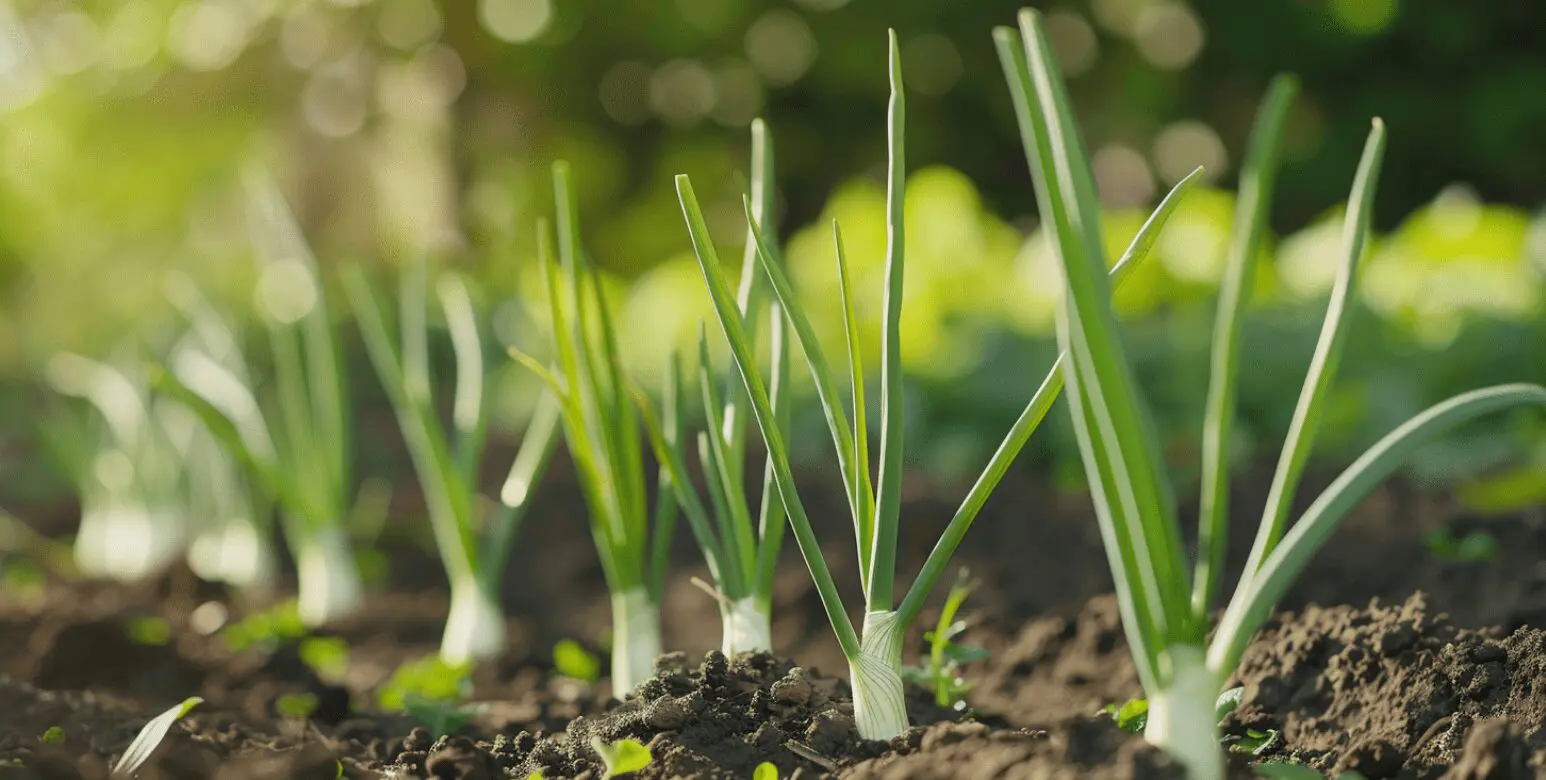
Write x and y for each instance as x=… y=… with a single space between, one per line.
x=1391 y=691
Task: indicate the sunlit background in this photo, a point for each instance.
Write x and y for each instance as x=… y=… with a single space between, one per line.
x=399 y=128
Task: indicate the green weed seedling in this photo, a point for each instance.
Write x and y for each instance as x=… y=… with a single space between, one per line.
x=621 y=757
x=942 y=672
x=572 y=660
x=54 y=735
x=432 y=692
x=765 y=771
x=296 y=705
x=1473 y=547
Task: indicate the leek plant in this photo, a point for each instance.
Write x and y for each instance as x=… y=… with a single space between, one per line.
x=1166 y=609
x=601 y=428
x=741 y=556
x=127 y=466
x=875 y=655
x=304 y=463
x=232 y=542
x=448 y=465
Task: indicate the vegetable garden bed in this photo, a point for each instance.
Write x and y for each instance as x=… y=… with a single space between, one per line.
x=1408 y=687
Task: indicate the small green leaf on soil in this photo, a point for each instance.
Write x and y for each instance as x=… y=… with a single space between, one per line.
x=570 y=659
x=296 y=705
x=765 y=771
x=53 y=736
x=623 y=756
x=1132 y=716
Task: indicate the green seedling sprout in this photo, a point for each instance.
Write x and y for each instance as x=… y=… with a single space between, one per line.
x=601 y=428
x=127 y=466
x=742 y=552
x=945 y=658
x=765 y=771
x=53 y=735
x=150 y=737
x=1165 y=608
x=447 y=463
x=303 y=461
x=874 y=656
x=621 y=757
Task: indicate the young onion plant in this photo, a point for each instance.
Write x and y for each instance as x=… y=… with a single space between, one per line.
x=875 y=653
x=447 y=464
x=304 y=462
x=232 y=541
x=128 y=468
x=742 y=555
x=601 y=428
x=1165 y=607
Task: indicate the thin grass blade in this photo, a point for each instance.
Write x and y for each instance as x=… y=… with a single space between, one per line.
x=531 y=464
x=735 y=517
x=888 y=483
x=1255 y=599
x=826 y=386
x=1142 y=507
x=468 y=412
x=1252 y=208
x=1328 y=354
x=862 y=496
x=770 y=523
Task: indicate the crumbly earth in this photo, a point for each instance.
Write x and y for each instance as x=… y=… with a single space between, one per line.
x=1393 y=689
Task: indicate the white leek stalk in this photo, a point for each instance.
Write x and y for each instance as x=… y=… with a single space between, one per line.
x=1182 y=715
x=635 y=639
x=122 y=539
x=327 y=580
x=747 y=627
x=880 y=708
x=475 y=627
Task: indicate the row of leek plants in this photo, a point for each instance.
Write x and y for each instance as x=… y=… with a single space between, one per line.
x=1166 y=609
x=874 y=653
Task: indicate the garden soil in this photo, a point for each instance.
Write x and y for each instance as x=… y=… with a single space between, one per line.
x=1386 y=659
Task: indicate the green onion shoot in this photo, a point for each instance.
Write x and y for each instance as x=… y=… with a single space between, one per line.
x=447 y=462
x=741 y=550
x=601 y=428
x=233 y=518
x=875 y=653
x=127 y=467
x=1165 y=604
x=298 y=450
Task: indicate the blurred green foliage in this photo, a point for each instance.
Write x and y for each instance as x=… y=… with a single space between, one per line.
x=408 y=126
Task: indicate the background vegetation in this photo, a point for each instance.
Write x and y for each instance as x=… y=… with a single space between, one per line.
x=403 y=127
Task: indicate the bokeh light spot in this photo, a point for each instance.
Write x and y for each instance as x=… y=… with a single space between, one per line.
x=408 y=24
x=1183 y=146
x=739 y=95
x=1073 y=41
x=682 y=91
x=1364 y=17
x=1169 y=35
x=931 y=64
x=1122 y=175
x=625 y=92
x=516 y=21
x=781 y=47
